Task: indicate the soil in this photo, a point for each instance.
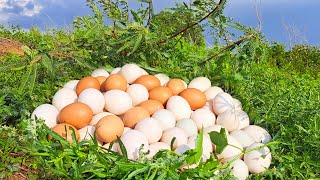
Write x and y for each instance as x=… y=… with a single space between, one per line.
x=10 y=46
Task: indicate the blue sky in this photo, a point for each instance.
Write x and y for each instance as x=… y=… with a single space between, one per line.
x=286 y=21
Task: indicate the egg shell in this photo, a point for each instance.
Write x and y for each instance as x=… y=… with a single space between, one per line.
x=87 y=82
x=134 y=116
x=176 y=86
x=211 y=92
x=114 y=147
x=148 y=81
x=138 y=93
x=76 y=114
x=237 y=104
x=130 y=72
x=97 y=117
x=229 y=119
x=215 y=127
x=239 y=169
x=161 y=94
x=222 y=102
x=163 y=78
x=102 y=82
x=231 y=151
x=208 y=106
x=93 y=98
x=117 y=102
x=71 y=84
x=259 y=134
x=179 y=106
x=194 y=97
x=133 y=140
x=244 y=119
x=115 y=70
x=201 y=83
x=182 y=149
x=144 y=72
x=244 y=138
x=166 y=118
x=87 y=132
x=206 y=145
x=100 y=72
x=64 y=131
x=203 y=118
x=108 y=128
x=151 y=106
x=179 y=134
x=48 y=113
x=156 y=147
x=259 y=160
x=126 y=129
x=115 y=81
x=151 y=128
x=188 y=125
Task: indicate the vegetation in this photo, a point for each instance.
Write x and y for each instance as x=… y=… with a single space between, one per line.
x=278 y=88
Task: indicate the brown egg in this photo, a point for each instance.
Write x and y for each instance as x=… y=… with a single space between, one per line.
x=148 y=81
x=151 y=106
x=101 y=80
x=115 y=81
x=76 y=114
x=87 y=82
x=134 y=115
x=176 y=86
x=108 y=128
x=194 y=97
x=161 y=94
x=64 y=131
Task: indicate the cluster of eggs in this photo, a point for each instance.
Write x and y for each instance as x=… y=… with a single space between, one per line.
x=151 y=110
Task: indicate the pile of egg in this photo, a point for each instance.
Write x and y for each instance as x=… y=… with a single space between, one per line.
x=151 y=110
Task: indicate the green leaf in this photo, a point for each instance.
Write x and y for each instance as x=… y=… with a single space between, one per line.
x=47 y=63
x=24 y=81
x=122 y=148
x=138 y=41
x=196 y=153
x=138 y=171
x=172 y=142
x=33 y=78
x=219 y=139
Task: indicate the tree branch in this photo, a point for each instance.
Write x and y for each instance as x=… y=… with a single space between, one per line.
x=216 y=9
x=231 y=46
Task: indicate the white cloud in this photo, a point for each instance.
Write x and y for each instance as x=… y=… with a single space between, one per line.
x=19 y=7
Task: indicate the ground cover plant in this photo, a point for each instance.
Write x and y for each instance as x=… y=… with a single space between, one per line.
x=278 y=88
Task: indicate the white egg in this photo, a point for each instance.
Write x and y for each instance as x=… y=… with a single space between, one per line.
x=133 y=140
x=100 y=72
x=201 y=83
x=64 y=97
x=215 y=127
x=259 y=134
x=144 y=72
x=185 y=84
x=130 y=72
x=71 y=84
x=126 y=129
x=239 y=169
x=179 y=134
x=233 y=149
x=48 y=113
x=179 y=106
x=211 y=92
x=182 y=149
x=237 y=104
x=208 y=106
x=93 y=98
x=163 y=78
x=114 y=147
x=166 y=118
x=138 y=93
x=156 y=147
x=188 y=125
x=115 y=70
x=96 y=118
x=117 y=102
x=259 y=160
x=244 y=119
x=87 y=132
x=151 y=128
x=222 y=102
x=229 y=119
x=244 y=138
x=203 y=118
x=206 y=145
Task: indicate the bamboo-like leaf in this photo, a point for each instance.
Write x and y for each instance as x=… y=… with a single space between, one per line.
x=24 y=80
x=136 y=45
x=125 y=46
x=122 y=148
x=33 y=78
x=46 y=61
x=136 y=172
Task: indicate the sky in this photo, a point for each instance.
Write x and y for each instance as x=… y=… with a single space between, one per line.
x=286 y=21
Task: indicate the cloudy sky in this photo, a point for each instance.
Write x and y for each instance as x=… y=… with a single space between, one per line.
x=287 y=21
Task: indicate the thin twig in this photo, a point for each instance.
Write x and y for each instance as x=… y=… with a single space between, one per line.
x=61 y=55
x=231 y=46
x=218 y=7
